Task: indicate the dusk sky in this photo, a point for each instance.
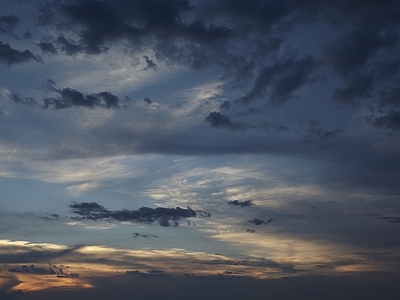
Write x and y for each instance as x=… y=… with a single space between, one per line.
x=199 y=149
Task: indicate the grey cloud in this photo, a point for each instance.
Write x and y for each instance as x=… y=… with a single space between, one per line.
x=11 y=56
x=137 y=234
x=283 y=78
x=150 y=64
x=358 y=86
x=257 y=221
x=186 y=33
x=388 y=69
x=47 y=47
x=259 y=14
x=150 y=273
x=148 y=101
x=32 y=270
x=26 y=101
x=218 y=120
x=391 y=219
x=164 y=216
x=390 y=97
x=7 y=24
x=318 y=133
x=106 y=21
x=68 y=97
x=246 y=203
x=69 y=46
x=389 y=120
x=351 y=52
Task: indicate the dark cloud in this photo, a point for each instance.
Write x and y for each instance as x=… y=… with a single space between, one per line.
x=257 y=221
x=253 y=13
x=351 y=52
x=358 y=86
x=218 y=120
x=32 y=270
x=280 y=80
x=103 y=22
x=47 y=47
x=147 y=101
x=7 y=24
x=150 y=273
x=390 y=119
x=69 y=46
x=246 y=203
x=137 y=234
x=390 y=97
x=150 y=64
x=202 y=34
x=26 y=101
x=164 y=216
x=391 y=219
x=11 y=56
x=318 y=133
x=68 y=97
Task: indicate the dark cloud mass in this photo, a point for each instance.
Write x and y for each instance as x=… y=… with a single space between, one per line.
x=164 y=216
x=257 y=221
x=47 y=47
x=32 y=270
x=11 y=56
x=246 y=203
x=218 y=120
x=388 y=120
x=68 y=97
x=7 y=24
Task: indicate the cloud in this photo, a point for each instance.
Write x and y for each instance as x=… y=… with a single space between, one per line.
x=282 y=78
x=7 y=24
x=351 y=52
x=104 y=22
x=29 y=252
x=318 y=133
x=32 y=270
x=69 y=46
x=47 y=48
x=358 y=86
x=11 y=56
x=245 y=203
x=79 y=189
x=148 y=274
x=137 y=234
x=148 y=101
x=218 y=120
x=164 y=216
x=390 y=119
x=390 y=97
x=150 y=64
x=257 y=221
x=68 y=97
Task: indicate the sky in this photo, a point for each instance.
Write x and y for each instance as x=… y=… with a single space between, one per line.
x=199 y=149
